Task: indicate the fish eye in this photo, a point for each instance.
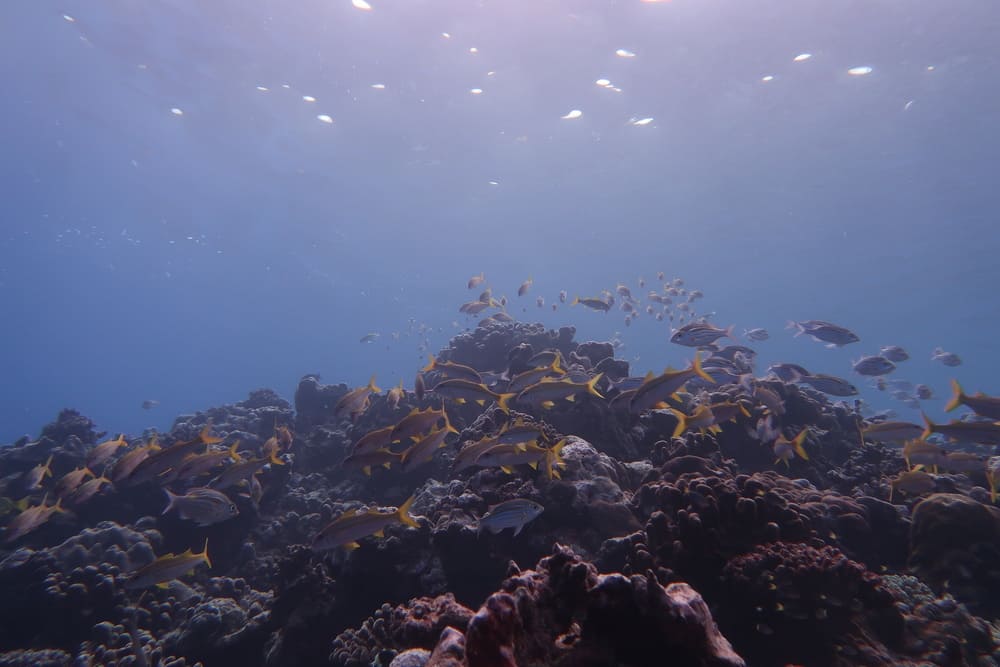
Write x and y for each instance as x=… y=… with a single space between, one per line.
x=232 y=508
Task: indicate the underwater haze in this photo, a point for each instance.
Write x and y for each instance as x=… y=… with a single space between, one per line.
x=204 y=198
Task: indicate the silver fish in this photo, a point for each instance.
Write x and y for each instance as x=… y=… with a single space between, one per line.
x=756 y=335
x=697 y=334
x=510 y=514
x=829 y=384
x=894 y=353
x=202 y=505
x=826 y=332
x=946 y=358
x=873 y=365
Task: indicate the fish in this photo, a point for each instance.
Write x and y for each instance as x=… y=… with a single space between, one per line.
x=873 y=365
x=377 y=439
x=166 y=568
x=395 y=395
x=366 y=460
x=419 y=387
x=516 y=514
x=769 y=398
x=787 y=372
x=89 y=489
x=592 y=303
x=476 y=281
x=355 y=402
x=487 y=295
x=518 y=432
x=104 y=451
x=422 y=451
x=525 y=286
x=829 y=384
x=238 y=472
x=549 y=390
x=452 y=371
x=786 y=449
x=892 y=431
x=199 y=464
x=962 y=462
x=697 y=334
x=69 y=482
x=540 y=301
x=466 y=457
x=149 y=404
x=202 y=505
x=894 y=353
x=127 y=464
x=981 y=404
x=922 y=453
x=524 y=380
x=947 y=358
x=34 y=477
x=912 y=483
x=655 y=390
x=159 y=462
x=925 y=393
x=352 y=525
x=756 y=335
x=702 y=419
x=462 y=391
x=416 y=423
x=826 y=332
x=993 y=476
x=369 y=337
x=506 y=457
x=979 y=433
x=31 y=519
x=474 y=307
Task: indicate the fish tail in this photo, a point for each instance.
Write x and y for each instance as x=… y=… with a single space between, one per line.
x=554 y=459
x=798 y=442
x=698 y=370
x=575 y=301
x=404 y=513
x=681 y=423
x=731 y=332
x=957 y=399
x=234 y=455
x=592 y=383
x=993 y=487
x=372 y=386
x=503 y=400
x=430 y=364
x=273 y=458
x=929 y=426
x=204 y=554
x=555 y=367
x=172 y=498
x=799 y=330
x=47 y=472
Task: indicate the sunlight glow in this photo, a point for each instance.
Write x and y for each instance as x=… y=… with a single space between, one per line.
x=603 y=83
x=476 y=91
x=362 y=5
x=801 y=57
x=378 y=86
x=308 y=98
x=324 y=118
x=769 y=77
x=860 y=71
x=69 y=18
x=642 y=121
x=625 y=53
x=575 y=113
x=177 y=112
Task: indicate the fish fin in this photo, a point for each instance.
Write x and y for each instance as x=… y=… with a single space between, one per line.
x=681 y=424
x=379 y=533
x=163 y=585
x=548 y=405
x=367 y=470
x=730 y=332
x=743 y=409
x=204 y=554
x=798 y=442
x=507 y=469
x=351 y=546
x=534 y=465
x=518 y=529
x=503 y=400
x=571 y=398
x=371 y=386
x=460 y=401
x=929 y=426
x=799 y=330
x=480 y=402
x=171 y=500
x=715 y=428
x=592 y=384
x=404 y=513
x=273 y=458
x=387 y=465
x=233 y=454
x=699 y=371
x=957 y=399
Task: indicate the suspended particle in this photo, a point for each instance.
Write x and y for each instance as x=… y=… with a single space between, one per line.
x=860 y=71
x=324 y=118
x=575 y=113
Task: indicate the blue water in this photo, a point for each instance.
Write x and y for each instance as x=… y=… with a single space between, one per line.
x=192 y=258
